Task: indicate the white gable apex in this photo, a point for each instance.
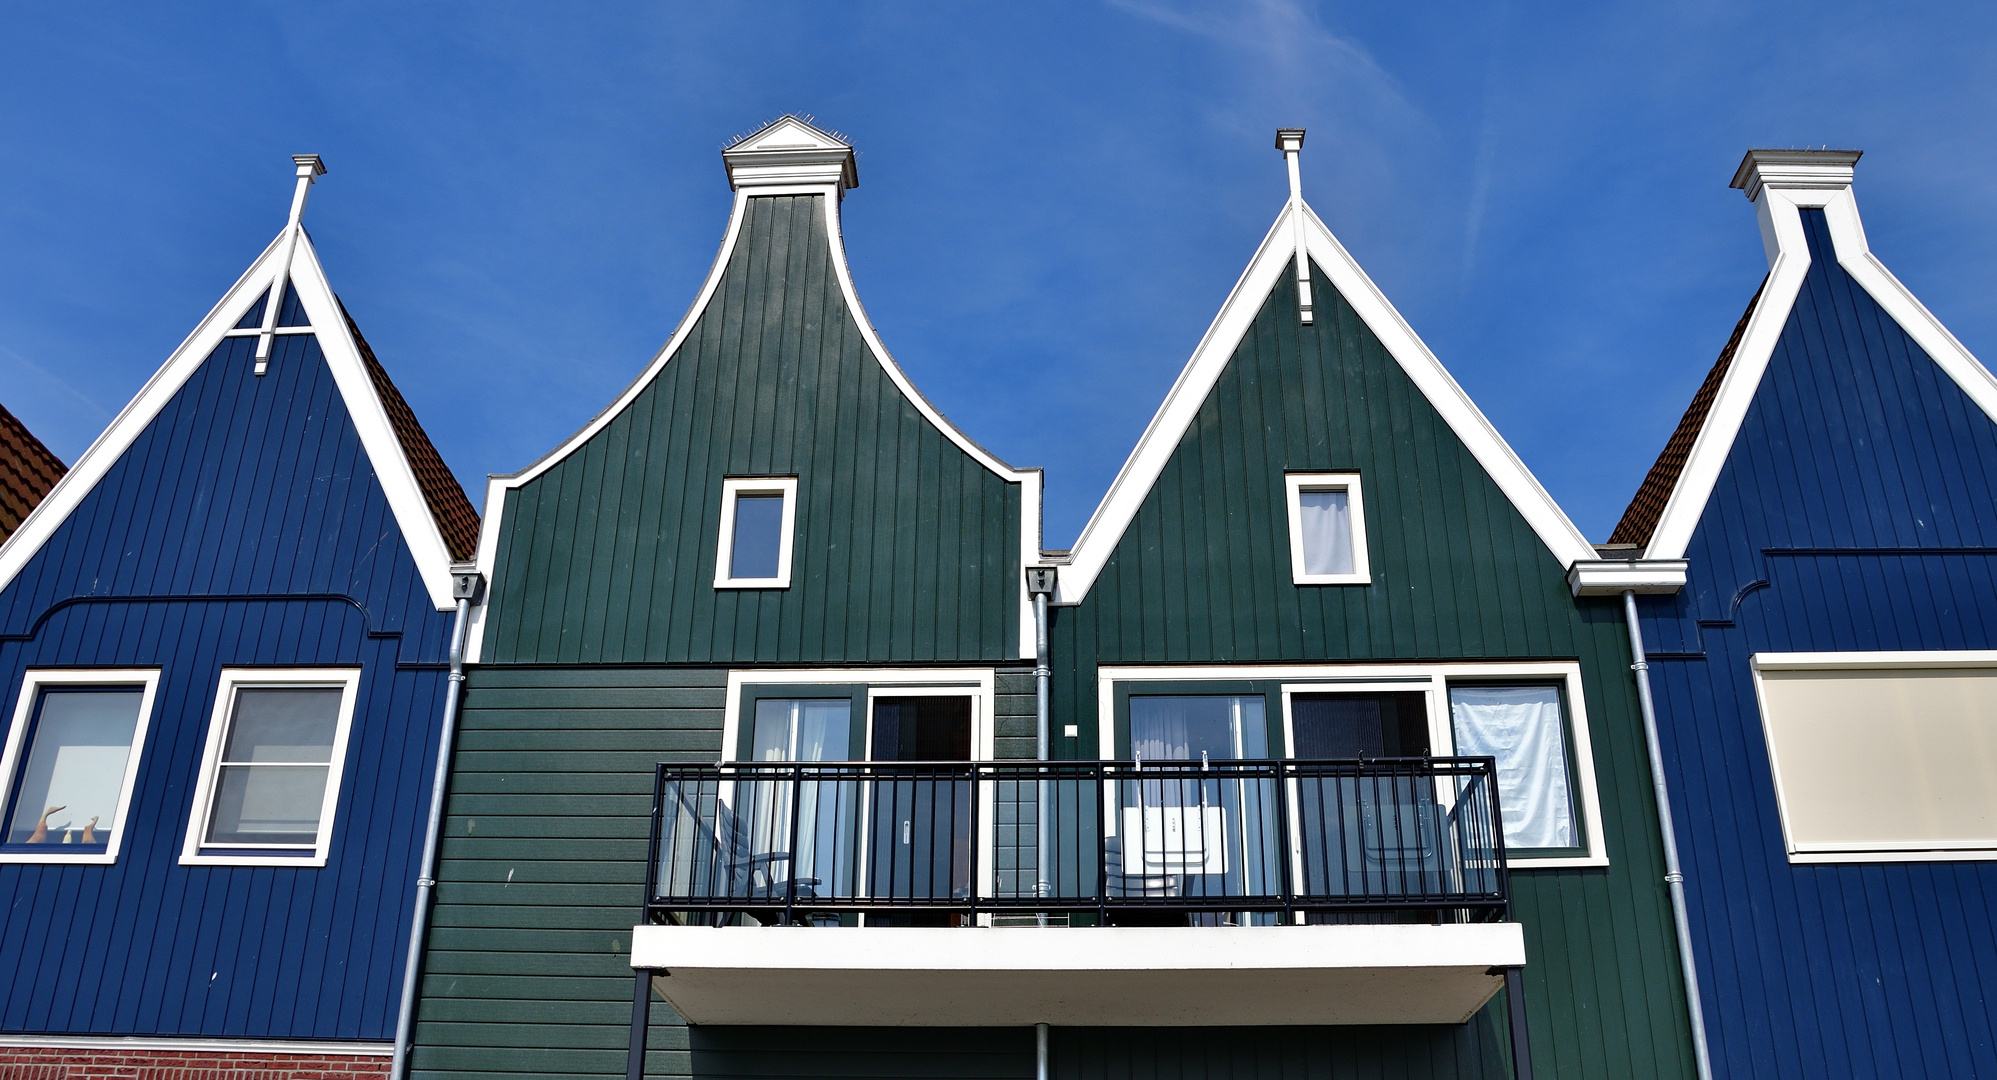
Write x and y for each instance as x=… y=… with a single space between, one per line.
x=792 y=154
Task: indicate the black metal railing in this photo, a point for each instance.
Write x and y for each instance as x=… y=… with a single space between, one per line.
x=1150 y=842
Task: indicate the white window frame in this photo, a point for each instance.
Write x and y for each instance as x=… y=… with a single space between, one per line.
x=1294 y=485
x=32 y=684
x=979 y=684
x=1433 y=679
x=1858 y=661
x=733 y=488
x=196 y=853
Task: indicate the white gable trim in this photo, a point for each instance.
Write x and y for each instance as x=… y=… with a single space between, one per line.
x=378 y=437
x=1779 y=210
x=1210 y=358
x=384 y=447
x=1029 y=480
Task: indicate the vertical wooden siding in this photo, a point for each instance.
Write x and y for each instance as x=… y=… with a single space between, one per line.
x=1857 y=511
x=1203 y=575
x=907 y=548
x=244 y=527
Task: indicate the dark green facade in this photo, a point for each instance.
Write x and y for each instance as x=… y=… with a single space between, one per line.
x=1202 y=575
x=607 y=649
x=908 y=548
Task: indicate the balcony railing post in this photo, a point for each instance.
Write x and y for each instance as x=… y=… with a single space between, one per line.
x=658 y=831
x=1103 y=812
x=796 y=814
x=1284 y=883
x=977 y=841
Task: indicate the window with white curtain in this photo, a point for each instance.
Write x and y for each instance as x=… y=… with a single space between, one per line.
x=1327 y=529
x=270 y=778
x=1524 y=728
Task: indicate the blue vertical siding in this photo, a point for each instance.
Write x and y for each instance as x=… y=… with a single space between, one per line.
x=244 y=527
x=1857 y=510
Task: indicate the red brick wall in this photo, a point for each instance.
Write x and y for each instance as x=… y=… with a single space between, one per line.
x=68 y=1063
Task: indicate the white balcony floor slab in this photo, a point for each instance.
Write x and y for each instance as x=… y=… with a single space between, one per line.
x=1081 y=976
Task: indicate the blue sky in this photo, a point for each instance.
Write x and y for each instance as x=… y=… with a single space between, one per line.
x=1054 y=200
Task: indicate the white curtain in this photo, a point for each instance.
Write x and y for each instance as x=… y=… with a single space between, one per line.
x=1521 y=727
x=808 y=729
x=1326 y=517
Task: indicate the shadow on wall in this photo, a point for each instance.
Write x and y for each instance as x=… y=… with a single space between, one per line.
x=1477 y=1049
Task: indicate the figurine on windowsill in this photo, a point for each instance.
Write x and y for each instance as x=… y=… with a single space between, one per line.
x=41 y=833
x=90 y=832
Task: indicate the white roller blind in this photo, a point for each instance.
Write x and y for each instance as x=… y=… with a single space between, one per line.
x=1883 y=759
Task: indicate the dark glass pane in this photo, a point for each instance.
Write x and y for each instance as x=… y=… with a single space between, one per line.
x=758 y=539
x=1346 y=726
x=922 y=729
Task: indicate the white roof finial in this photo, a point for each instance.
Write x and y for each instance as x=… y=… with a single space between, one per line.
x=310 y=167
x=1291 y=142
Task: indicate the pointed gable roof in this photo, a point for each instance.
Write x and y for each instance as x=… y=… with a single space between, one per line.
x=435 y=517
x=1782 y=184
x=455 y=516
x=1640 y=519
x=1105 y=528
x=27 y=471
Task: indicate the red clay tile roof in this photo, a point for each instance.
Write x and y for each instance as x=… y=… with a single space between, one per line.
x=27 y=472
x=1640 y=520
x=455 y=516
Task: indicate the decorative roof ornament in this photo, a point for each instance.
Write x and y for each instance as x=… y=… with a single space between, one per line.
x=310 y=168
x=790 y=152
x=1291 y=142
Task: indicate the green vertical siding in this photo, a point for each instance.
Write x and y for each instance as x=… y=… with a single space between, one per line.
x=1203 y=575
x=907 y=547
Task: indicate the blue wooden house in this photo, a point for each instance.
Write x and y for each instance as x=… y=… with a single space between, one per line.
x=223 y=650
x=1826 y=681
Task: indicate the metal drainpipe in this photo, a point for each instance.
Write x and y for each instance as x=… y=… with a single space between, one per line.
x=464 y=586
x=1040 y=1052
x=1041 y=674
x=1673 y=877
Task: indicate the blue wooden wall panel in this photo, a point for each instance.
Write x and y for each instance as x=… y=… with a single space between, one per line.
x=1857 y=510
x=244 y=527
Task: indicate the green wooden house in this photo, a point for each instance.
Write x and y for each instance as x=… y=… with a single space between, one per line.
x=787 y=751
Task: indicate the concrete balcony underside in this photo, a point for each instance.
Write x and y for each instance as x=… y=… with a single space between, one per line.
x=1082 y=976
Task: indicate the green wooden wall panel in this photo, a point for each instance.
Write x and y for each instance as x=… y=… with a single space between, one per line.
x=907 y=549
x=527 y=968
x=1203 y=575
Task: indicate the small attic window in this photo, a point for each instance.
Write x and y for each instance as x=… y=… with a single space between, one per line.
x=758 y=518
x=1327 y=529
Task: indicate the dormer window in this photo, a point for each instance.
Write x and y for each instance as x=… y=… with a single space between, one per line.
x=1327 y=529
x=758 y=518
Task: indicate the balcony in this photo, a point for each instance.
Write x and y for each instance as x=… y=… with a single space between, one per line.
x=1154 y=893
